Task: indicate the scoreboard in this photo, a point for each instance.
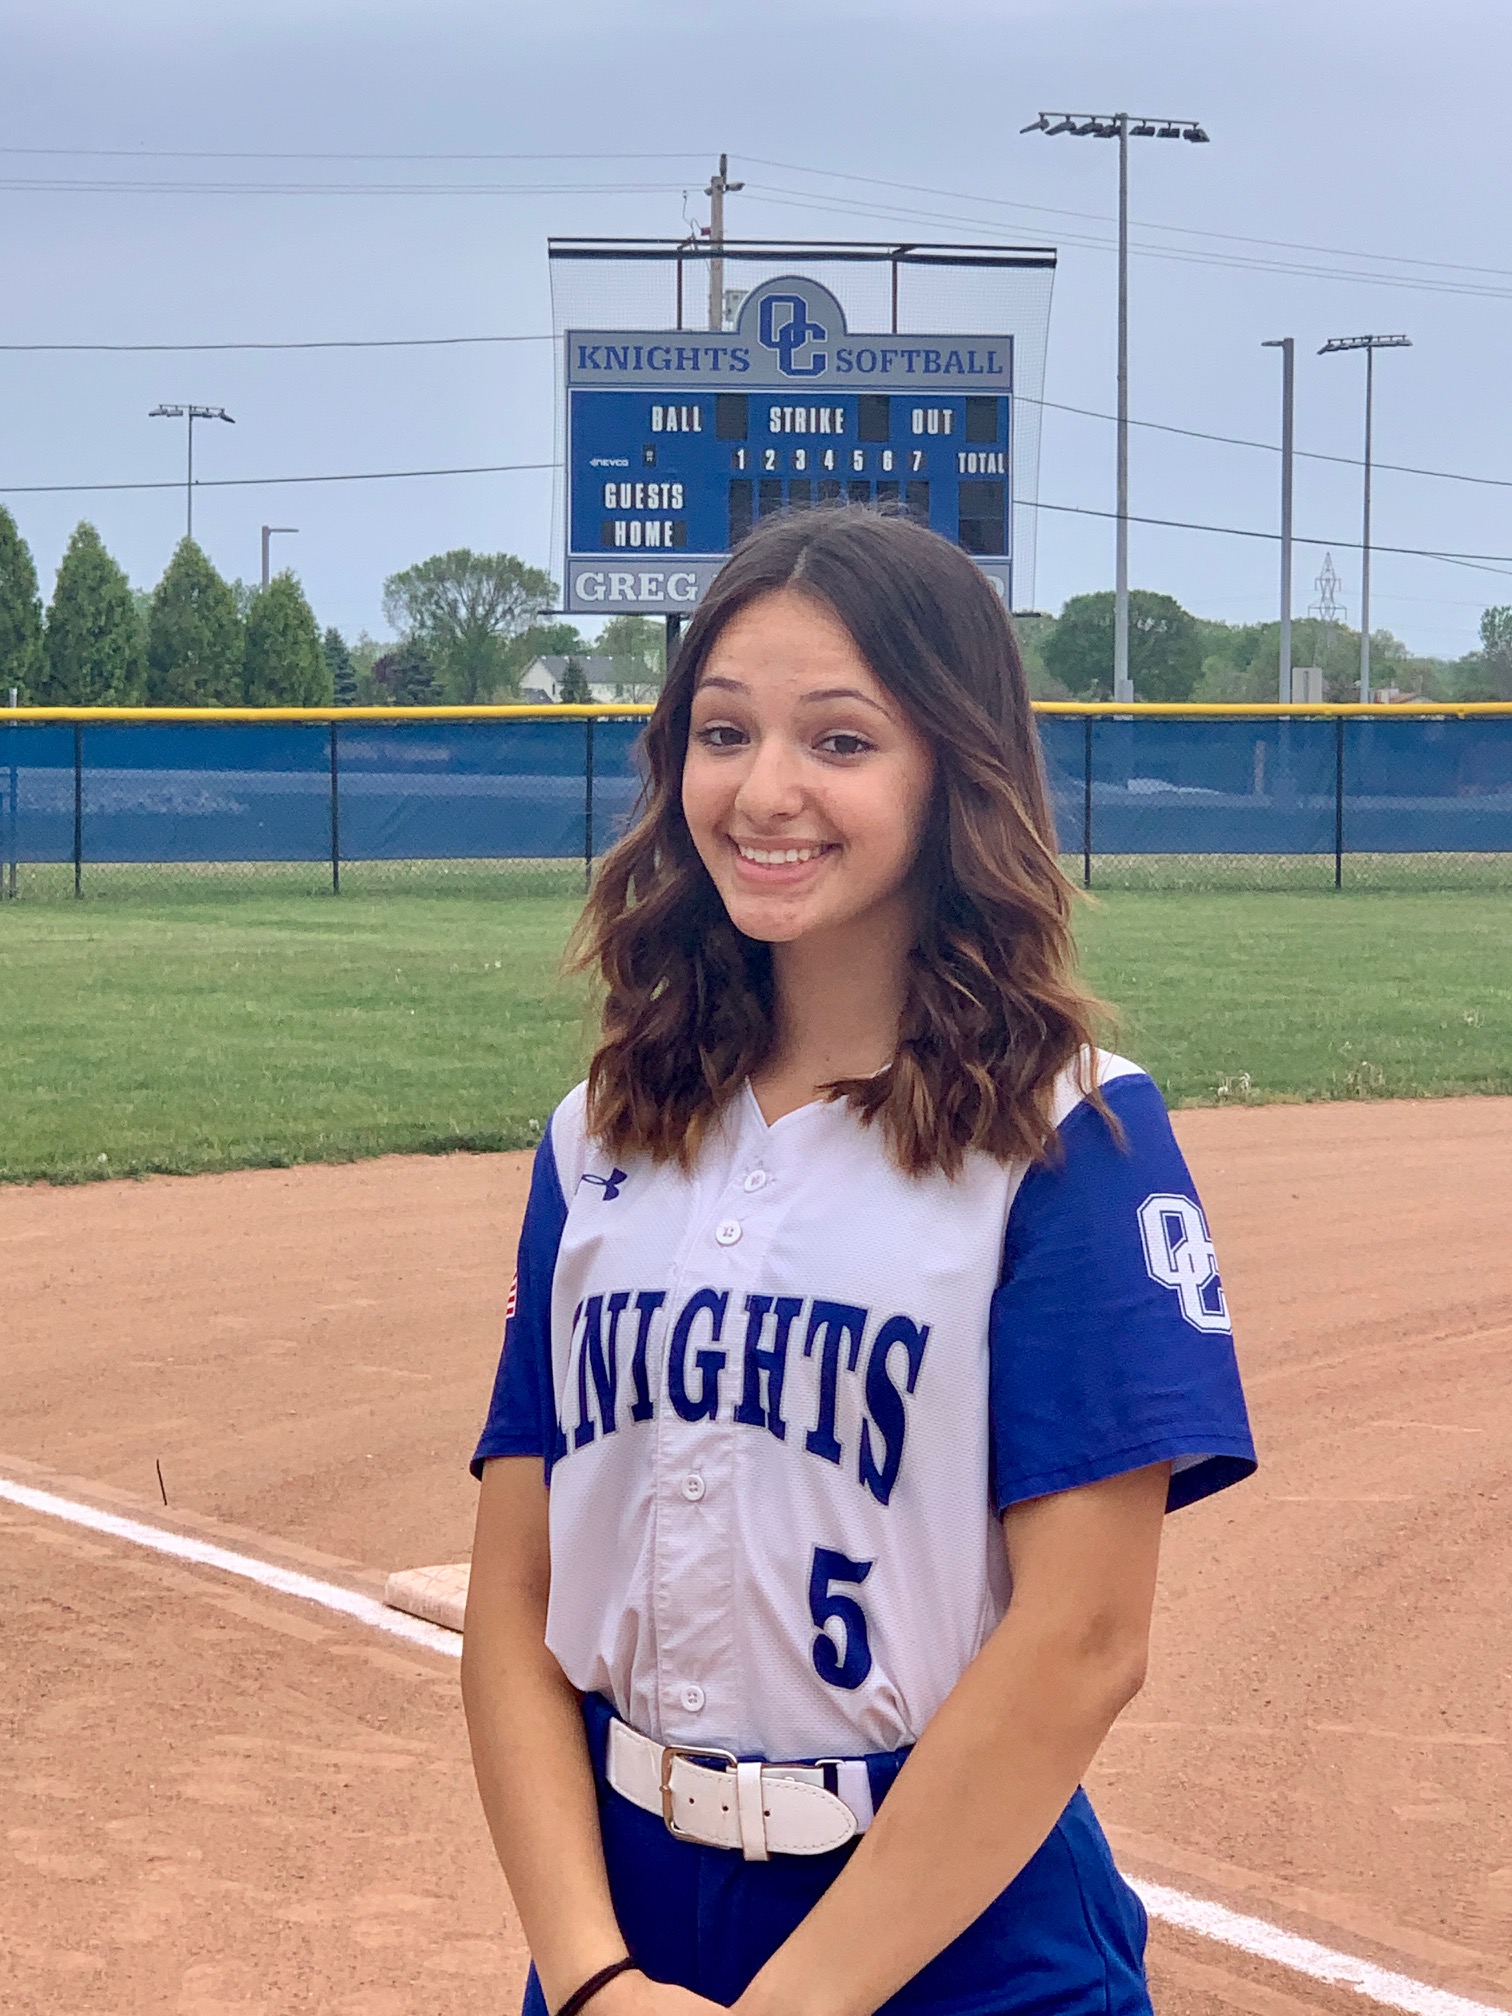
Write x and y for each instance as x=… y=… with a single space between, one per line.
x=678 y=442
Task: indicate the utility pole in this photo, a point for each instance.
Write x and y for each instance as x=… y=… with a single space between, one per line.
x=719 y=187
x=1370 y=345
x=1287 y=345
x=1122 y=127
x=267 y=541
x=191 y=414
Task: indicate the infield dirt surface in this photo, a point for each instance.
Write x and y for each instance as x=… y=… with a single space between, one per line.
x=218 y=1800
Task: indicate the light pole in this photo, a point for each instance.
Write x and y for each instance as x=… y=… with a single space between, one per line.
x=1122 y=127
x=1287 y=345
x=1370 y=345
x=191 y=414
x=267 y=540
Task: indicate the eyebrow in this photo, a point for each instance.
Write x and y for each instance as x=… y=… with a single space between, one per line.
x=820 y=694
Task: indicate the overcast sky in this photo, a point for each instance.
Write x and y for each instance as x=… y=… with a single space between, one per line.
x=1367 y=143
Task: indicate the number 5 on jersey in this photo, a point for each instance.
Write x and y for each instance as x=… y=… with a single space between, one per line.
x=849 y=1666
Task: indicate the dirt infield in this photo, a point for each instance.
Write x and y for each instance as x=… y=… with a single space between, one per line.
x=222 y=1801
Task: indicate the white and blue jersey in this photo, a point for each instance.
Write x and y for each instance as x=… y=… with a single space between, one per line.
x=783 y=1398
x=781 y=1401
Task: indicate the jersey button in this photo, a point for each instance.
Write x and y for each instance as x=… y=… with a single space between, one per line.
x=756 y=1180
x=693 y=1488
x=728 y=1231
x=692 y=1698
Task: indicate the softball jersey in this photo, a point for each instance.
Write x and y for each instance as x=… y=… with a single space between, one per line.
x=781 y=1401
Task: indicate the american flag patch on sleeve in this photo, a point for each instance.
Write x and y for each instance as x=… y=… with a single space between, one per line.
x=514 y=1293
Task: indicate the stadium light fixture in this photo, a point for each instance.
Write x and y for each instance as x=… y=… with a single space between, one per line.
x=1370 y=345
x=1122 y=127
x=191 y=414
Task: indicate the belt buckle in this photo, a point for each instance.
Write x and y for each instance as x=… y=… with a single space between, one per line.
x=690 y=1753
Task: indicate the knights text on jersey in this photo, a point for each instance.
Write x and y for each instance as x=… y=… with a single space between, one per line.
x=782 y=1399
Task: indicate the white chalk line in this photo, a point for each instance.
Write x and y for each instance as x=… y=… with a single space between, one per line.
x=286 y=1581
x=1304 y=1956
x=1171 y=1907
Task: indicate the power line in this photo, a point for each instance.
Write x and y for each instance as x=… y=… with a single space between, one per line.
x=1486 y=562
x=271 y=482
x=785 y=167
x=1489 y=561
x=841 y=206
x=324 y=343
x=463 y=342
x=117 y=186
x=1271 y=447
x=1100 y=217
x=320 y=154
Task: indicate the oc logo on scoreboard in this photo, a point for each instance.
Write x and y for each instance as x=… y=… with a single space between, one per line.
x=792 y=333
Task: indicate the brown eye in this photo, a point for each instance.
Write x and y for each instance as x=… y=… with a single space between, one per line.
x=719 y=735
x=844 y=743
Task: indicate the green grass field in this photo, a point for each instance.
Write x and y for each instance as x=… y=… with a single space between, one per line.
x=279 y=1027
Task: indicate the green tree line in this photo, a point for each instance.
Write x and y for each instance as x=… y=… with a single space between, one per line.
x=1176 y=656
x=194 y=642
x=468 y=625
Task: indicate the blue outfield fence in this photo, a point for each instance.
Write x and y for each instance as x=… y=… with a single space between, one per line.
x=98 y=789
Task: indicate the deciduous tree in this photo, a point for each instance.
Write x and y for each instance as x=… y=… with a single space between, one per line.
x=1165 y=649
x=1487 y=674
x=93 y=649
x=194 y=636
x=283 y=664
x=20 y=614
x=465 y=609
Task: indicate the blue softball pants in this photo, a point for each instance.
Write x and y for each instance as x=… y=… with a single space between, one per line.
x=1066 y=1938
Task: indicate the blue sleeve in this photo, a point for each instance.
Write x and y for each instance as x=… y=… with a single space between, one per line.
x=522 y=1413
x=1110 y=1340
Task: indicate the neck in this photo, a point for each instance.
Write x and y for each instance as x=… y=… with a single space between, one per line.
x=839 y=1002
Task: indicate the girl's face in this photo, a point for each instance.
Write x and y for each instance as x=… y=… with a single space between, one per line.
x=805 y=787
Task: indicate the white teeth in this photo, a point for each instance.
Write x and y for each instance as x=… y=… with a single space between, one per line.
x=777 y=857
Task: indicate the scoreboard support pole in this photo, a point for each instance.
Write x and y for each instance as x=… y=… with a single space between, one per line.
x=588 y=803
x=674 y=638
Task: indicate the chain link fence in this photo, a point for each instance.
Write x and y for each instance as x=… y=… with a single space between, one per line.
x=102 y=805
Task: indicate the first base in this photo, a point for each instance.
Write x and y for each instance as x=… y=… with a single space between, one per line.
x=439 y=1595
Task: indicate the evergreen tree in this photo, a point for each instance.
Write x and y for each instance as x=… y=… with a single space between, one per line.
x=194 y=636
x=574 y=688
x=340 y=668
x=283 y=664
x=20 y=614
x=92 y=654
x=406 y=677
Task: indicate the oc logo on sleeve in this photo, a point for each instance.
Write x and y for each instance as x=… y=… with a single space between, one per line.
x=1179 y=1254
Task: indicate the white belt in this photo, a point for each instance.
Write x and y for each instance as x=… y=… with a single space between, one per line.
x=760 y=1809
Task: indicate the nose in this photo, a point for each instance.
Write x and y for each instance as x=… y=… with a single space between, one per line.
x=772 y=787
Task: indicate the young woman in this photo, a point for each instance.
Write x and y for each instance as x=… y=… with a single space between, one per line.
x=866 y=1325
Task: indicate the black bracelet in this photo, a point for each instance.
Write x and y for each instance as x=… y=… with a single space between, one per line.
x=580 y=1997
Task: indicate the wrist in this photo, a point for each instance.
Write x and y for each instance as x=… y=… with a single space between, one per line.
x=565 y=1973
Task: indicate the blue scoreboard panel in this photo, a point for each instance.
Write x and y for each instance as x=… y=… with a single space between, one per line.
x=679 y=442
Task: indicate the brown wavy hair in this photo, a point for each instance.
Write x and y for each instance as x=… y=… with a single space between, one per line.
x=993 y=1011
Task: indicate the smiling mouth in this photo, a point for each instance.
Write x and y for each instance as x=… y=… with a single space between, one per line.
x=779 y=857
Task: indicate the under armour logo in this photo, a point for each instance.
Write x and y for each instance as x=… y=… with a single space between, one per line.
x=1179 y=1254
x=789 y=335
x=611 y=1185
